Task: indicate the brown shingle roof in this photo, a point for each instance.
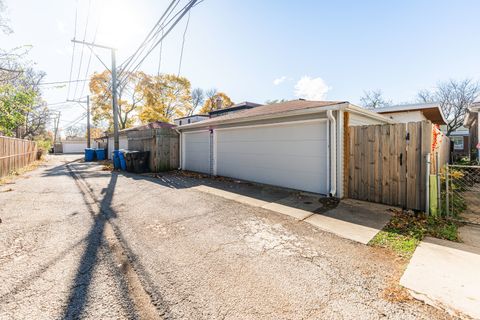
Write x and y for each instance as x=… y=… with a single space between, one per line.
x=269 y=109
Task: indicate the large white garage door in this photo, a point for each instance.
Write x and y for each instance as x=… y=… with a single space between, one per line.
x=196 y=148
x=290 y=155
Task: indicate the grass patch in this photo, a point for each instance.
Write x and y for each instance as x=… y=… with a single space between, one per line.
x=406 y=229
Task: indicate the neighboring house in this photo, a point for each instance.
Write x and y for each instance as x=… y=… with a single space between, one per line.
x=235 y=108
x=295 y=144
x=472 y=120
x=414 y=113
x=190 y=119
x=460 y=139
x=108 y=143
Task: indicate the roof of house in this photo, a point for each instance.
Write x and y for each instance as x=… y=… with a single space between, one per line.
x=265 y=110
x=238 y=106
x=193 y=115
x=431 y=111
x=471 y=115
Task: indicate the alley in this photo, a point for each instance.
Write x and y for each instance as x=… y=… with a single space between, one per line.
x=80 y=242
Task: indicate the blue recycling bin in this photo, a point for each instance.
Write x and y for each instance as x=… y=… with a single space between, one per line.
x=89 y=154
x=116 y=159
x=123 y=161
x=100 y=153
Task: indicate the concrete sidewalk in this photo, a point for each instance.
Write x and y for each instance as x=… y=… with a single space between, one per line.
x=352 y=219
x=447 y=275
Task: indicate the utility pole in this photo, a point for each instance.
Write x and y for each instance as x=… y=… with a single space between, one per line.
x=88 y=121
x=116 y=142
x=114 y=87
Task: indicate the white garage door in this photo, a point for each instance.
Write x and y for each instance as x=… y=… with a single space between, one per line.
x=72 y=147
x=290 y=155
x=196 y=148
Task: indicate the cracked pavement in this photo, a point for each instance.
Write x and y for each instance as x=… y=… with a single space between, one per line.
x=196 y=255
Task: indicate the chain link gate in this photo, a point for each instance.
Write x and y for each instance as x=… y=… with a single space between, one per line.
x=462 y=193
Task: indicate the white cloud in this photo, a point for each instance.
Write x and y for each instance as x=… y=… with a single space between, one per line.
x=279 y=80
x=311 y=88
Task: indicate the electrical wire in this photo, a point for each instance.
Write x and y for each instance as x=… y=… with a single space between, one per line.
x=73 y=51
x=183 y=44
x=83 y=47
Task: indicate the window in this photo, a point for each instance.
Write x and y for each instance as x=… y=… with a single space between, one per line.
x=457 y=143
x=188 y=120
x=180 y=123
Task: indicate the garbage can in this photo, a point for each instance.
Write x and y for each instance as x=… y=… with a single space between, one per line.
x=123 y=163
x=116 y=159
x=140 y=161
x=89 y=154
x=129 y=155
x=100 y=153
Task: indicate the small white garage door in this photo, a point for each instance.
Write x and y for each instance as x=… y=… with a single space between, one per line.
x=74 y=147
x=196 y=148
x=290 y=155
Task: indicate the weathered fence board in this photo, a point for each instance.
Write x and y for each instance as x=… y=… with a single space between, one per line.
x=163 y=145
x=15 y=154
x=387 y=163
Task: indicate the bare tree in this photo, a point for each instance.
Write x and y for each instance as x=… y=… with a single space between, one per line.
x=275 y=101
x=374 y=99
x=4 y=22
x=198 y=98
x=454 y=97
x=75 y=131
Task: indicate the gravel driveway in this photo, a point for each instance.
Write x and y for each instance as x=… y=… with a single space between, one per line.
x=193 y=254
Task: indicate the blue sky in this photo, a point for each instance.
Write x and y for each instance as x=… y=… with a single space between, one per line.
x=338 y=48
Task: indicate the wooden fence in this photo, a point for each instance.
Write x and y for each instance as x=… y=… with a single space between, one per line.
x=163 y=145
x=387 y=163
x=15 y=154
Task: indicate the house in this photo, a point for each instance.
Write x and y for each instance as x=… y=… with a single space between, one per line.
x=295 y=144
x=414 y=113
x=190 y=119
x=235 y=108
x=460 y=139
x=107 y=140
x=472 y=120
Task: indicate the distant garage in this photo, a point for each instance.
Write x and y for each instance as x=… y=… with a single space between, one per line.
x=296 y=144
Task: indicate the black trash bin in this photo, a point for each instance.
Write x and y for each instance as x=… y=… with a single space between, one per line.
x=140 y=161
x=129 y=155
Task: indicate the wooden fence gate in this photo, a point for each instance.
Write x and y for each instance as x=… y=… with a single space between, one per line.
x=387 y=163
x=16 y=154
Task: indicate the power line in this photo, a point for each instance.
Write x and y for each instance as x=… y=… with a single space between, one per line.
x=61 y=82
x=183 y=44
x=181 y=14
x=73 y=52
x=83 y=47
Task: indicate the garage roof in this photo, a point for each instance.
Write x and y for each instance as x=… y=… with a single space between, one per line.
x=269 y=109
x=431 y=111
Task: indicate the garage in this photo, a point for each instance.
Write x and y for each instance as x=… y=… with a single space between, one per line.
x=296 y=144
x=291 y=155
x=196 y=151
x=74 y=146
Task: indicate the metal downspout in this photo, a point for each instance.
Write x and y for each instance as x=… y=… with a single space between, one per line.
x=333 y=153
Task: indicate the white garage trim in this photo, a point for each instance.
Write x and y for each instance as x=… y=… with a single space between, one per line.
x=273 y=124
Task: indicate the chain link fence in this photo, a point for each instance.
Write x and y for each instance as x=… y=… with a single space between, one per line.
x=461 y=193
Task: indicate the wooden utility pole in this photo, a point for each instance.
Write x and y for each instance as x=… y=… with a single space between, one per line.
x=114 y=86
x=88 y=121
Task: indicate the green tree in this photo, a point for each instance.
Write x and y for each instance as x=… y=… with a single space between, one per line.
x=15 y=103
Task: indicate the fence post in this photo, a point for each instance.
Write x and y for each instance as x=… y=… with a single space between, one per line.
x=447 y=189
x=427 y=186
x=439 y=187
